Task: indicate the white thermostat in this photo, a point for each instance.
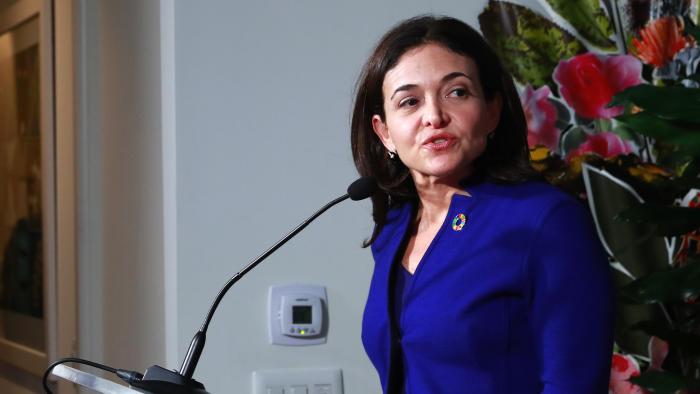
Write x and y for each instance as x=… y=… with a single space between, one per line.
x=297 y=315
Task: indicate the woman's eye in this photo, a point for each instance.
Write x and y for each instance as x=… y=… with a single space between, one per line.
x=408 y=102
x=458 y=92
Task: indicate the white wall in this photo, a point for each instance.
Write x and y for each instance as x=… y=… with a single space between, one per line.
x=120 y=176
x=132 y=183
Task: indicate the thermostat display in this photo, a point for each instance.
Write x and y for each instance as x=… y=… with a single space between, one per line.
x=297 y=315
x=301 y=314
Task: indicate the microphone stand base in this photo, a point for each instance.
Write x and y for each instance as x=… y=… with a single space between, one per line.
x=158 y=380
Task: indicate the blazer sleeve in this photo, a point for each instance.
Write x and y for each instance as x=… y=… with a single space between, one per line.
x=572 y=302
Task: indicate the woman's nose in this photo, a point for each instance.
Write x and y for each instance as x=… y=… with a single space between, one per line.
x=434 y=115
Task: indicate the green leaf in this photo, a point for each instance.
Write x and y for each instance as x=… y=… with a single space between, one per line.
x=602 y=125
x=672 y=286
x=691 y=28
x=530 y=45
x=563 y=114
x=572 y=138
x=672 y=157
x=672 y=102
x=588 y=18
x=666 y=220
x=626 y=133
x=607 y=196
x=685 y=136
x=626 y=314
x=691 y=170
x=688 y=343
x=678 y=186
x=631 y=243
x=664 y=382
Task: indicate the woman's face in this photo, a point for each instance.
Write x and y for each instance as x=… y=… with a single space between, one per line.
x=436 y=116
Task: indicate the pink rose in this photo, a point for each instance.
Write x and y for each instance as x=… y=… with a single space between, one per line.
x=541 y=117
x=605 y=144
x=623 y=368
x=589 y=81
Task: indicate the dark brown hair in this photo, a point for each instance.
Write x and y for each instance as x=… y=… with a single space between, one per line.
x=506 y=158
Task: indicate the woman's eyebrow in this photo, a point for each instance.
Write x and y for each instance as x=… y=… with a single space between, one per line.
x=446 y=78
x=402 y=88
x=454 y=75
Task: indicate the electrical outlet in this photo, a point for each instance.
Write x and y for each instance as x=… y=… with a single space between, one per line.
x=298 y=381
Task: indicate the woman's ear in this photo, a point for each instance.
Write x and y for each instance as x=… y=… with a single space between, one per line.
x=382 y=132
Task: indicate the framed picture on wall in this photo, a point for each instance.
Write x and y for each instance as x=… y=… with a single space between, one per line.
x=27 y=189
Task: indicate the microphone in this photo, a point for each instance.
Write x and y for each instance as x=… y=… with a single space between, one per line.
x=362 y=188
x=157 y=379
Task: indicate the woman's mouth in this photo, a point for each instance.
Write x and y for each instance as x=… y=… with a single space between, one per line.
x=439 y=142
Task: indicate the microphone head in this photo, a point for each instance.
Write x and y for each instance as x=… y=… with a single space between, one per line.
x=362 y=188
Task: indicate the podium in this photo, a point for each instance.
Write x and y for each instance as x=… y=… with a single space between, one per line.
x=155 y=381
x=92 y=382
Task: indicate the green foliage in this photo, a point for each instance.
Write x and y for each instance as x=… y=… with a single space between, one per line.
x=572 y=138
x=626 y=314
x=665 y=220
x=631 y=244
x=669 y=115
x=675 y=286
x=691 y=28
x=685 y=136
x=689 y=343
x=530 y=45
x=589 y=20
x=667 y=102
x=665 y=382
x=630 y=241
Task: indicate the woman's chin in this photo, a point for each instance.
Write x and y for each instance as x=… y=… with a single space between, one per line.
x=452 y=172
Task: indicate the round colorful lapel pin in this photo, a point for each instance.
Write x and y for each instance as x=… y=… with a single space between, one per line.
x=458 y=222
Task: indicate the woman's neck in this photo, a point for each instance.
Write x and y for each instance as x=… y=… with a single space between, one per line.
x=434 y=200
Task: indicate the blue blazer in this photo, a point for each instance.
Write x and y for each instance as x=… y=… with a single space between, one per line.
x=519 y=299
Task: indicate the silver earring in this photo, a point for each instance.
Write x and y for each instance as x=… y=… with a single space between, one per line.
x=392 y=155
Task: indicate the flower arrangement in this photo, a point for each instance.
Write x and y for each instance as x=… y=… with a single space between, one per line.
x=611 y=93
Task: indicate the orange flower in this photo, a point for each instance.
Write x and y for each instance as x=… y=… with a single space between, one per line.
x=660 y=41
x=648 y=172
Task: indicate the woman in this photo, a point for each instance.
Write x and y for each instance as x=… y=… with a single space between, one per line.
x=486 y=280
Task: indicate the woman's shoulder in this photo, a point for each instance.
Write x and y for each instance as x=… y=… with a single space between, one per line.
x=529 y=198
x=529 y=192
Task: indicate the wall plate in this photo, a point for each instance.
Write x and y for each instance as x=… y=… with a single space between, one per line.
x=309 y=304
x=298 y=381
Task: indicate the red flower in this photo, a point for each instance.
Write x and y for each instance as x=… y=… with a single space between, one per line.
x=623 y=368
x=661 y=40
x=588 y=82
x=605 y=144
x=541 y=117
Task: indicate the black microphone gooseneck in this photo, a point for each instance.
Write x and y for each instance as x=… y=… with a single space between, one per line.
x=158 y=379
x=197 y=344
